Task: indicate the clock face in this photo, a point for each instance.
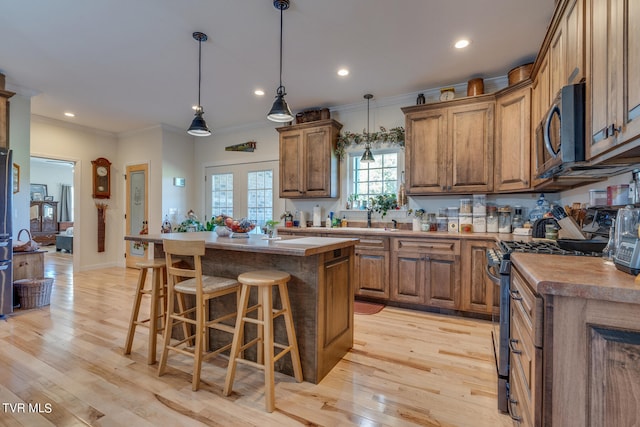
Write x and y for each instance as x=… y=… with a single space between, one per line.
x=447 y=95
x=101 y=171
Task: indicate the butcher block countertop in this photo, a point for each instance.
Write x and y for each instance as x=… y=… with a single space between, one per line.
x=576 y=276
x=285 y=245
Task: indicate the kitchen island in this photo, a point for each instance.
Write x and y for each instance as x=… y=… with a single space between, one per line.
x=320 y=289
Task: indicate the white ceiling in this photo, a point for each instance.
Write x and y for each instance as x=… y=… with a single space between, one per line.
x=122 y=65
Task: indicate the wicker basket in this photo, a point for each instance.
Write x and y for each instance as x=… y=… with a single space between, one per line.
x=34 y=292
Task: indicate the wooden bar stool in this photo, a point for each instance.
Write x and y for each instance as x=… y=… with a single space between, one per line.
x=264 y=280
x=158 y=291
x=185 y=280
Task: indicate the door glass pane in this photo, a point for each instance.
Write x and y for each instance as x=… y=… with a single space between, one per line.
x=221 y=194
x=137 y=203
x=260 y=196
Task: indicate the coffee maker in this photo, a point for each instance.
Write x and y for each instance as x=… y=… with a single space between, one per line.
x=627 y=255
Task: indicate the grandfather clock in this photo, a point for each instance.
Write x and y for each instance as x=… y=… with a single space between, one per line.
x=101 y=190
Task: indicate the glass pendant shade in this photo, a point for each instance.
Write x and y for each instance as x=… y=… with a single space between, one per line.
x=198 y=125
x=367 y=157
x=280 y=111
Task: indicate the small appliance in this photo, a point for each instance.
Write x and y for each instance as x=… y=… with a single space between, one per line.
x=627 y=254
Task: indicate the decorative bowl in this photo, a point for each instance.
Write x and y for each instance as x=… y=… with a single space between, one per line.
x=222 y=231
x=240 y=226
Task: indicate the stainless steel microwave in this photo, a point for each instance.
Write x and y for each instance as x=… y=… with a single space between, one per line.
x=560 y=136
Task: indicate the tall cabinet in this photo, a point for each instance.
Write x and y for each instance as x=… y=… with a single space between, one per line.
x=44 y=221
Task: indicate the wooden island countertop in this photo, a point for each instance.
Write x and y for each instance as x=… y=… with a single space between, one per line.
x=321 y=289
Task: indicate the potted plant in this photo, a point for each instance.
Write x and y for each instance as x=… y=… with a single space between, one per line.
x=383 y=203
x=270 y=227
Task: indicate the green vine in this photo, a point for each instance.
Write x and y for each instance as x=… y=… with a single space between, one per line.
x=346 y=139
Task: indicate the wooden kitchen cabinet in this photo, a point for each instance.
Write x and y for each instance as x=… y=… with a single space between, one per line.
x=425 y=272
x=540 y=103
x=478 y=292
x=44 y=221
x=613 y=97
x=308 y=164
x=372 y=267
x=513 y=139
x=449 y=146
x=4 y=117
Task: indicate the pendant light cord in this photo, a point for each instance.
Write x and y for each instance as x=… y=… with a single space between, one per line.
x=199 y=71
x=281 y=88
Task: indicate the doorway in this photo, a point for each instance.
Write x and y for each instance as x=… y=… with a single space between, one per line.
x=51 y=210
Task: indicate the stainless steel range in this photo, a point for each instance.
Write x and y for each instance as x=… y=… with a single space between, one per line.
x=499 y=271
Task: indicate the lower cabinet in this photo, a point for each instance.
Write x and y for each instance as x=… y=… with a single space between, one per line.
x=479 y=293
x=372 y=267
x=425 y=272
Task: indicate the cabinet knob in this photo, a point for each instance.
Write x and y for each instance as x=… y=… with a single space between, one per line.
x=512 y=346
x=612 y=129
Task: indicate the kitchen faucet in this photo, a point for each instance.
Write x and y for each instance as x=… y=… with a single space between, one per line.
x=395 y=223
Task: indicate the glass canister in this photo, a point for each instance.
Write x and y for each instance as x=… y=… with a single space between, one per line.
x=443 y=223
x=466 y=207
x=518 y=219
x=504 y=219
x=465 y=223
x=479 y=204
x=492 y=219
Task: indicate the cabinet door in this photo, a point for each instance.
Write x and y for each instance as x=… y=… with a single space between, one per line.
x=557 y=62
x=479 y=294
x=441 y=282
x=513 y=141
x=425 y=152
x=408 y=278
x=470 y=129
x=631 y=91
x=604 y=60
x=574 y=41
x=34 y=217
x=540 y=104
x=291 y=164
x=317 y=155
x=372 y=273
x=49 y=214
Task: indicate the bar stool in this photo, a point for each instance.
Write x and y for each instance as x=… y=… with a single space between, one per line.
x=264 y=280
x=185 y=280
x=158 y=291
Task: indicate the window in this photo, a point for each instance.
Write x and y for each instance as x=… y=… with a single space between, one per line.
x=378 y=177
x=260 y=196
x=222 y=194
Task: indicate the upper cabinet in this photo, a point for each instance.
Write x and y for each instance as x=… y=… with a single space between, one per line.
x=614 y=76
x=308 y=164
x=449 y=146
x=513 y=139
x=4 y=117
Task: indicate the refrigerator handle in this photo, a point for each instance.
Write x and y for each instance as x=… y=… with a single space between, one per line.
x=4 y=267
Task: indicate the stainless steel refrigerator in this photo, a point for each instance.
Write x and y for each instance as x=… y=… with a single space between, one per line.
x=6 y=249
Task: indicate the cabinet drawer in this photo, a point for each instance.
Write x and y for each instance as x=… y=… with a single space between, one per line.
x=372 y=242
x=529 y=304
x=518 y=404
x=430 y=246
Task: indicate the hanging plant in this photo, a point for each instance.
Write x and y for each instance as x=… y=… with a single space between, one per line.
x=346 y=139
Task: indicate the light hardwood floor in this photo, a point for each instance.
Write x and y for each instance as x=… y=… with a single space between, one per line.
x=406 y=368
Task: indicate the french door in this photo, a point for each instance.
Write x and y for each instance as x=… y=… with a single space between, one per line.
x=246 y=190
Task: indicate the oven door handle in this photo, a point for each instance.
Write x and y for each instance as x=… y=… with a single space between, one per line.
x=495 y=279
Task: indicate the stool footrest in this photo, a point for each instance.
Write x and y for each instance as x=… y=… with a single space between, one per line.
x=285 y=350
x=250 y=363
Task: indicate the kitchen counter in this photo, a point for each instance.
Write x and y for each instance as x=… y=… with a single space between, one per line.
x=320 y=290
x=399 y=232
x=576 y=276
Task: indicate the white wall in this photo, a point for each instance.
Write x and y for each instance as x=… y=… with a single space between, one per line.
x=56 y=140
x=20 y=144
x=177 y=162
x=53 y=175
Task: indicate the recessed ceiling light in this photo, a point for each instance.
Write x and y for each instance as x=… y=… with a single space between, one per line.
x=258 y=92
x=69 y=114
x=343 y=72
x=462 y=43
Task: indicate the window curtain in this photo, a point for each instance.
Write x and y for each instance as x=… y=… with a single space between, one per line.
x=66 y=203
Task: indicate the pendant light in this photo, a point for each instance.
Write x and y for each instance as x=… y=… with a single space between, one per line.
x=367 y=157
x=198 y=125
x=280 y=111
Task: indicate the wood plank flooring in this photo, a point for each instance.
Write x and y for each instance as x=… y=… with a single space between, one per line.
x=65 y=360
